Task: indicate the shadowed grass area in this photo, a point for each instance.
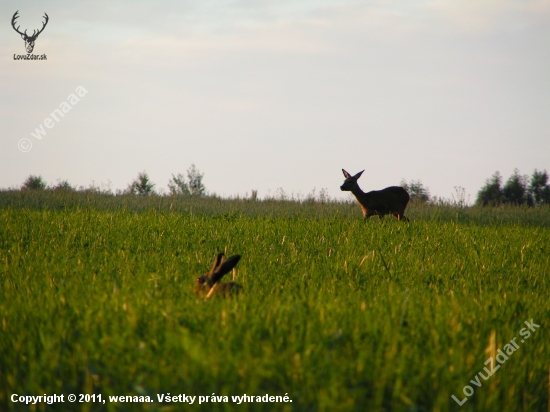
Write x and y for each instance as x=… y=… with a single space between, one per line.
x=338 y=313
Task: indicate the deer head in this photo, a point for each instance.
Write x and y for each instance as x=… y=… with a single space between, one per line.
x=351 y=181
x=29 y=40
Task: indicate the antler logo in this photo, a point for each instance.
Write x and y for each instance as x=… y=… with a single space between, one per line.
x=29 y=40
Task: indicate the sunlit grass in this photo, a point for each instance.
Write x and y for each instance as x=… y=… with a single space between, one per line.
x=341 y=314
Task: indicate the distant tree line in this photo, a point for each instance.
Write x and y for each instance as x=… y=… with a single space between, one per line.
x=518 y=190
x=142 y=185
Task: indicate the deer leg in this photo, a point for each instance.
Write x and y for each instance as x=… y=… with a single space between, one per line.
x=401 y=216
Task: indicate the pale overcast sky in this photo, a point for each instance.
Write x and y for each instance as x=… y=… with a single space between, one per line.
x=268 y=94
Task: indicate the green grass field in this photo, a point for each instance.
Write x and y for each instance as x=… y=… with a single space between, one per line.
x=338 y=314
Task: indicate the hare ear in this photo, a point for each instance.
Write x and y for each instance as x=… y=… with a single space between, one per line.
x=225 y=267
x=217 y=263
x=346 y=174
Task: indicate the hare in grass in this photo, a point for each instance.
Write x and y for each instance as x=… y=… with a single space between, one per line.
x=209 y=283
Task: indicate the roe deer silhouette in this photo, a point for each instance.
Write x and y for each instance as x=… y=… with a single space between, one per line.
x=389 y=201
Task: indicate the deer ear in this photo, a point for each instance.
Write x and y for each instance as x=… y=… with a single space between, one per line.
x=346 y=174
x=358 y=175
x=23 y=36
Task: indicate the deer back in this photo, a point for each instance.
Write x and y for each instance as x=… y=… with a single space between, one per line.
x=389 y=200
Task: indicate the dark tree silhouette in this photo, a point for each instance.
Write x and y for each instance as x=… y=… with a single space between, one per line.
x=34 y=183
x=515 y=190
x=417 y=192
x=539 y=190
x=178 y=186
x=141 y=186
x=63 y=185
x=195 y=181
x=491 y=193
x=193 y=186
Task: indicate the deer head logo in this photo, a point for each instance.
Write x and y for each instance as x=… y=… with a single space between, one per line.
x=29 y=40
